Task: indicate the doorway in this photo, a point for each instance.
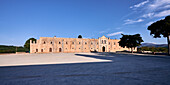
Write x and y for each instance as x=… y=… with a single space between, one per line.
x=103 y=49
x=50 y=49
x=60 y=49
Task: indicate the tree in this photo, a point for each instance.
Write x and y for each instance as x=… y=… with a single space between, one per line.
x=27 y=43
x=79 y=36
x=130 y=41
x=161 y=27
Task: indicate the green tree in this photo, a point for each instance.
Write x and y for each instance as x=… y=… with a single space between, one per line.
x=27 y=43
x=79 y=36
x=161 y=27
x=130 y=41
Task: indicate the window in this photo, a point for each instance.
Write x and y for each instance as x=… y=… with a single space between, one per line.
x=72 y=48
x=72 y=42
x=84 y=48
x=51 y=42
x=109 y=43
x=79 y=48
x=91 y=48
x=114 y=43
x=59 y=42
x=66 y=43
x=79 y=43
x=44 y=42
x=104 y=41
x=91 y=43
x=97 y=43
x=66 y=48
x=85 y=42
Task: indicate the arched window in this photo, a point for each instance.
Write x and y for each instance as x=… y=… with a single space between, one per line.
x=91 y=43
x=79 y=43
x=66 y=43
x=59 y=42
x=44 y=42
x=85 y=42
x=51 y=42
x=104 y=41
x=72 y=42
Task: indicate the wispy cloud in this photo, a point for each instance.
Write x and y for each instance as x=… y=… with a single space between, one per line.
x=129 y=21
x=140 y=4
x=158 y=4
x=163 y=13
x=149 y=23
x=148 y=15
x=113 y=34
x=104 y=31
x=150 y=9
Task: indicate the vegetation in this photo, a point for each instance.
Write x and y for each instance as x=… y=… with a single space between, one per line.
x=130 y=41
x=79 y=36
x=12 y=49
x=153 y=49
x=27 y=43
x=161 y=27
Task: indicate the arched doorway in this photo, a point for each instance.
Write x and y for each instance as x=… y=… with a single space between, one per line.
x=60 y=49
x=103 y=49
x=50 y=49
x=36 y=50
x=41 y=50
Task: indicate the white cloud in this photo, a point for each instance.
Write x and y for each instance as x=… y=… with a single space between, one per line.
x=128 y=21
x=102 y=31
x=148 y=15
x=167 y=6
x=105 y=31
x=140 y=4
x=157 y=4
x=113 y=34
x=163 y=13
x=149 y=23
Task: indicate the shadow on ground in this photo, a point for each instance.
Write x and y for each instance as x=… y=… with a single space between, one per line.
x=126 y=69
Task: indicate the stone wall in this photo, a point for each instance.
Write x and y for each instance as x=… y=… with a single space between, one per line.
x=68 y=45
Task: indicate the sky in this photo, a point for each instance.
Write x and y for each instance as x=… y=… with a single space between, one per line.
x=24 y=19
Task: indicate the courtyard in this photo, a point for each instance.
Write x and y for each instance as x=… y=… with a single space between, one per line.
x=84 y=69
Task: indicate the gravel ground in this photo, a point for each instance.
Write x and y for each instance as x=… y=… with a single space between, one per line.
x=85 y=69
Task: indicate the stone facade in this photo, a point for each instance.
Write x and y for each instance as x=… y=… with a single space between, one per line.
x=68 y=45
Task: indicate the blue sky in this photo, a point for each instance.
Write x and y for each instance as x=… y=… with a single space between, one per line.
x=23 y=19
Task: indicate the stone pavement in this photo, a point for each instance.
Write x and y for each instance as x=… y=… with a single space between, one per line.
x=115 y=69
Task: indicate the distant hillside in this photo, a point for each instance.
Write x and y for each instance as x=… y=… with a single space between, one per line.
x=12 y=49
x=153 y=45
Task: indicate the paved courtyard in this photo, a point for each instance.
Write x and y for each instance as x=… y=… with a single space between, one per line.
x=84 y=69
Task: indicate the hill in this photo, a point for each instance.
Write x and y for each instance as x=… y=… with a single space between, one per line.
x=153 y=45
